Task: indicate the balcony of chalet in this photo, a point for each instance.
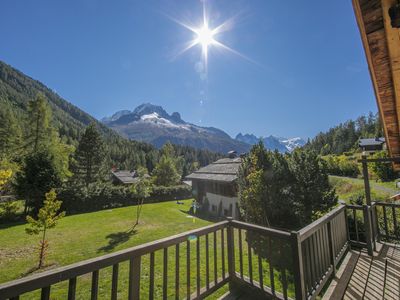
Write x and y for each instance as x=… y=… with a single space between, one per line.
x=345 y=254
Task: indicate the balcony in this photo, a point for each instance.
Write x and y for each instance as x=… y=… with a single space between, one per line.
x=254 y=262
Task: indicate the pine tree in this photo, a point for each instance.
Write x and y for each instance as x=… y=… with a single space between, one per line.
x=39 y=129
x=37 y=176
x=46 y=219
x=89 y=156
x=10 y=133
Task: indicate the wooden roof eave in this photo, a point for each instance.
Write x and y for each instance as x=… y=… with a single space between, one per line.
x=382 y=49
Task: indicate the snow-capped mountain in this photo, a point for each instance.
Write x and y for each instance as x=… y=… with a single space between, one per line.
x=151 y=123
x=272 y=142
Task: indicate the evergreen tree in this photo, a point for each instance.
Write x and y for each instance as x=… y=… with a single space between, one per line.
x=47 y=219
x=169 y=168
x=39 y=129
x=89 y=156
x=287 y=191
x=10 y=133
x=37 y=176
x=312 y=191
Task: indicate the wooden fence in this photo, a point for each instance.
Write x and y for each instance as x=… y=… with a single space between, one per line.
x=272 y=263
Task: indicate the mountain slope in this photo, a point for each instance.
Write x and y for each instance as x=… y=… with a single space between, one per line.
x=16 y=89
x=152 y=124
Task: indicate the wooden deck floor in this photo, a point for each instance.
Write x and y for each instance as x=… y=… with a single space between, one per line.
x=365 y=277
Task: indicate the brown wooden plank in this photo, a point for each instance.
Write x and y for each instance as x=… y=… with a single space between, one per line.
x=215 y=257
x=151 y=283
x=165 y=274
x=240 y=253
x=114 y=282
x=45 y=294
x=249 y=256
x=207 y=264
x=177 y=272
x=188 y=270
x=72 y=288
x=223 y=252
x=95 y=285
x=134 y=278
x=198 y=282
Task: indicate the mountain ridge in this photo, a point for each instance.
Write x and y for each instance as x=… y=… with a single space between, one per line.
x=152 y=124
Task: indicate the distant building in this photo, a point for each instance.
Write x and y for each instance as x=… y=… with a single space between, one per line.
x=122 y=177
x=215 y=186
x=372 y=145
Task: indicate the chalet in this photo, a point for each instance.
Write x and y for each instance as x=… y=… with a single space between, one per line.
x=372 y=145
x=215 y=186
x=123 y=177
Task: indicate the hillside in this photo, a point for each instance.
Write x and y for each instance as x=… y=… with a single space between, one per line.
x=344 y=137
x=16 y=89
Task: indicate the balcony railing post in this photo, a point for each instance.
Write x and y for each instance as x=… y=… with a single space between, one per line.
x=231 y=253
x=368 y=228
x=298 y=267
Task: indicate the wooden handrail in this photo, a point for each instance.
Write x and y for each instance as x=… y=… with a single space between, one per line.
x=316 y=225
x=262 y=230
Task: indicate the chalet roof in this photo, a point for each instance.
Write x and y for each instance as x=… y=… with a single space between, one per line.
x=223 y=170
x=125 y=177
x=371 y=142
x=382 y=49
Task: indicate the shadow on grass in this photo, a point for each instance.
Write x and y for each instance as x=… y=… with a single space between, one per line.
x=203 y=216
x=9 y=224
x=116 y=239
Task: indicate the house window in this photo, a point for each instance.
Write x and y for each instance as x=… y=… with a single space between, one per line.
x=214 y=208
x=226 y=212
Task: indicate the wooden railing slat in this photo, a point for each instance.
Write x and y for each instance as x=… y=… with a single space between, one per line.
x=207 y=265
x=95 y=285
x=45 y=294
x=260 y=272
x=165 y=274
x=394 y=216
x=134 y=278
x=215 y=258
x=249 y=256
x=223 y=252
x=271 y=265
x=151 y=283
x=240 y=253
x=114 y=282
x=177 y=272
x=198 y=287
x=72 y=288
x=188 y=293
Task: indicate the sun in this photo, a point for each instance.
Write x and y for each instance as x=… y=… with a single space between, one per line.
x=205 y=36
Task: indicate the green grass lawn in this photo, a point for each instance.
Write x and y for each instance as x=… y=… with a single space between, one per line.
x=349 y=187
x=89 y=235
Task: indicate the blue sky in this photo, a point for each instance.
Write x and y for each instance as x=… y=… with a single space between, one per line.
x=309 y=71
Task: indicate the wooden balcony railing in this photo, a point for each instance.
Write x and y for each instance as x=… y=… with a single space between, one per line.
x=270 y=262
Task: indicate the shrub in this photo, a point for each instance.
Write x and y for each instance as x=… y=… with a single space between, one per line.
x=99 y=196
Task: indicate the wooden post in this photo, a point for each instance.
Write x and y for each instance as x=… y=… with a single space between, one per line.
x=366 y=180
x=231 y=254
x=298 y=267
x=367 y=225
x=331 y=248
